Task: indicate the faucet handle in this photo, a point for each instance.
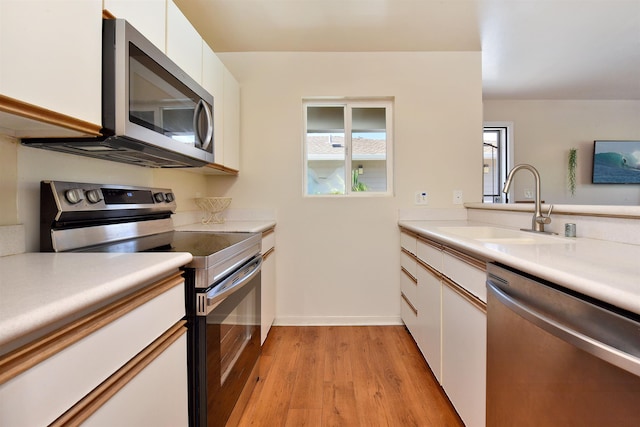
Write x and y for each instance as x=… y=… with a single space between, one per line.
x=545 y=219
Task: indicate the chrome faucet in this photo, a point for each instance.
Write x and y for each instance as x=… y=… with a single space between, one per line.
x=538 y=221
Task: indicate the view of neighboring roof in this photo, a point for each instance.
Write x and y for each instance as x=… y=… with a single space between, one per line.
x=331 y=147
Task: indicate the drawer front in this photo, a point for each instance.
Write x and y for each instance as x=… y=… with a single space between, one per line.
x=467 y=276
x=408 y=242
x=139 y=403
x=409 y=315
x=430 y=254
x=408 y=263
x=268 y=241
x=80 y=367
x=409 y=286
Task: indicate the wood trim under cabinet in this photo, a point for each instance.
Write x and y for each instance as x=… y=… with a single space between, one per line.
x=43 y=115
x=430 y=269
x=224 y=169
x=107 y=15
x=268 y=253
x=14 y=363
x=265 y=233
x=433 y=244
x=409 y=232
x=474 y=262
x=93 y=401
x=409 y=253
x=409 y=275
x=468 y=296
x=404 y=297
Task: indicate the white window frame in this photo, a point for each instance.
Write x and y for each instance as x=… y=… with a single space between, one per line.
x=349 y=104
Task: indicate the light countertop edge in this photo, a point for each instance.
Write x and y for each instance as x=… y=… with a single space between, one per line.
x=606 y=271
x=40 y=292
x=238 y=226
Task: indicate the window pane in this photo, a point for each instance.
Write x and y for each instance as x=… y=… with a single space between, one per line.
x=325 y=163
x=325 y=150
x=369 y=148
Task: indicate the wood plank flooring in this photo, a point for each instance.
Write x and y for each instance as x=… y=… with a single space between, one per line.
x=345 y=376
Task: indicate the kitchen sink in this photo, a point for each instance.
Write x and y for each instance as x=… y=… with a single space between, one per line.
x=505 y=236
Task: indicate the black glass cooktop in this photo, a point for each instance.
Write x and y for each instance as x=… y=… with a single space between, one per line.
x=197 y=243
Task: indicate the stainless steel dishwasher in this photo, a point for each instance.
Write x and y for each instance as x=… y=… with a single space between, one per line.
x=557 y=358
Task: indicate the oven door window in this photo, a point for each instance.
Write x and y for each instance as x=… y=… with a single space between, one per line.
x=232 y=333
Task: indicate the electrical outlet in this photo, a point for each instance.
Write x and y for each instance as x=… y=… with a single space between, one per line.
x=420 y=198
x=528 y=194
x=457 y=197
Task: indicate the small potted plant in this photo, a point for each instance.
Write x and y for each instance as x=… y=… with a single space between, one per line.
x=573 y=162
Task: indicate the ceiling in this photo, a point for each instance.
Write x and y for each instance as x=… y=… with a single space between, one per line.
x=531 y=49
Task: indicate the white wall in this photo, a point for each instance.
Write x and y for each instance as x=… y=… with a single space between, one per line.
x=338 y=258
x=544 y=131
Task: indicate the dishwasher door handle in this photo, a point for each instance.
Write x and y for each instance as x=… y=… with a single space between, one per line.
x=601 y=350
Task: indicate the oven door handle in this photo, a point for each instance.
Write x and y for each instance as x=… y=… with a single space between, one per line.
x=232 y=284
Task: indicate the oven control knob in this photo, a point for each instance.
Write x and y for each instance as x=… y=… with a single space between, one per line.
x=74 y=195
x=158 y=197
x=169 y=197
x=93 y=196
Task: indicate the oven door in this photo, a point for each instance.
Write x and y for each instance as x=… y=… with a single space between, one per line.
x=226 y=343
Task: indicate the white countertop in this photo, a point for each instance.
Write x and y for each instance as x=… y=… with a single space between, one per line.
x=40 y=292
x=607 y=271
x=253 y=226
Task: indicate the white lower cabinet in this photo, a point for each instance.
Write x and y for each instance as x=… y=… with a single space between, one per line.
x=135 y=345
x=447 y=319
x=268 y=284
x=429 y=302
x=464 y=349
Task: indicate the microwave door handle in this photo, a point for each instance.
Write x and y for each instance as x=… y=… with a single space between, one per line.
x=204 y=143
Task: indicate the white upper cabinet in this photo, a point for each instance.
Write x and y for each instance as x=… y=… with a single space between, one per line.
x=231 y=122
x=184 y=44
x=51 y=55
x=212 y=81
x=147 y=16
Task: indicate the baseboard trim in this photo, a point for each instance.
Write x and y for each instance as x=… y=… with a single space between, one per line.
x=338 y=321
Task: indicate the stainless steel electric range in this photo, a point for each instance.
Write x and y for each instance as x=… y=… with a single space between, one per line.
x=222 y=281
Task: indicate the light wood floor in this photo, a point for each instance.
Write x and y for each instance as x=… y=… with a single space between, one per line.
x=345 y=376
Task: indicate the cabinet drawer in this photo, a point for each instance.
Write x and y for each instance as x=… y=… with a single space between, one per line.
x=409 y=315
x=408 y=241
x=131 y=398
x=84 y=354
x=431 y=254
x=469 y=277
x=268 y=241
x=408 y=263
x=408 y=286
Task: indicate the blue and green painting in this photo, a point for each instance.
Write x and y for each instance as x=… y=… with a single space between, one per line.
x=616 y=162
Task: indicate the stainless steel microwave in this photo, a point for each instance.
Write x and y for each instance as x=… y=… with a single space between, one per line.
x=153 y=113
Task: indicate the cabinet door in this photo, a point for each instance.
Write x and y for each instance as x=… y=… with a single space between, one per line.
x=213 y=82
x=464 y=347
x=429 y=319
x=156 y=396
x=147 y=16
x=184 y=44
x=51 y=55
x=231 y=127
